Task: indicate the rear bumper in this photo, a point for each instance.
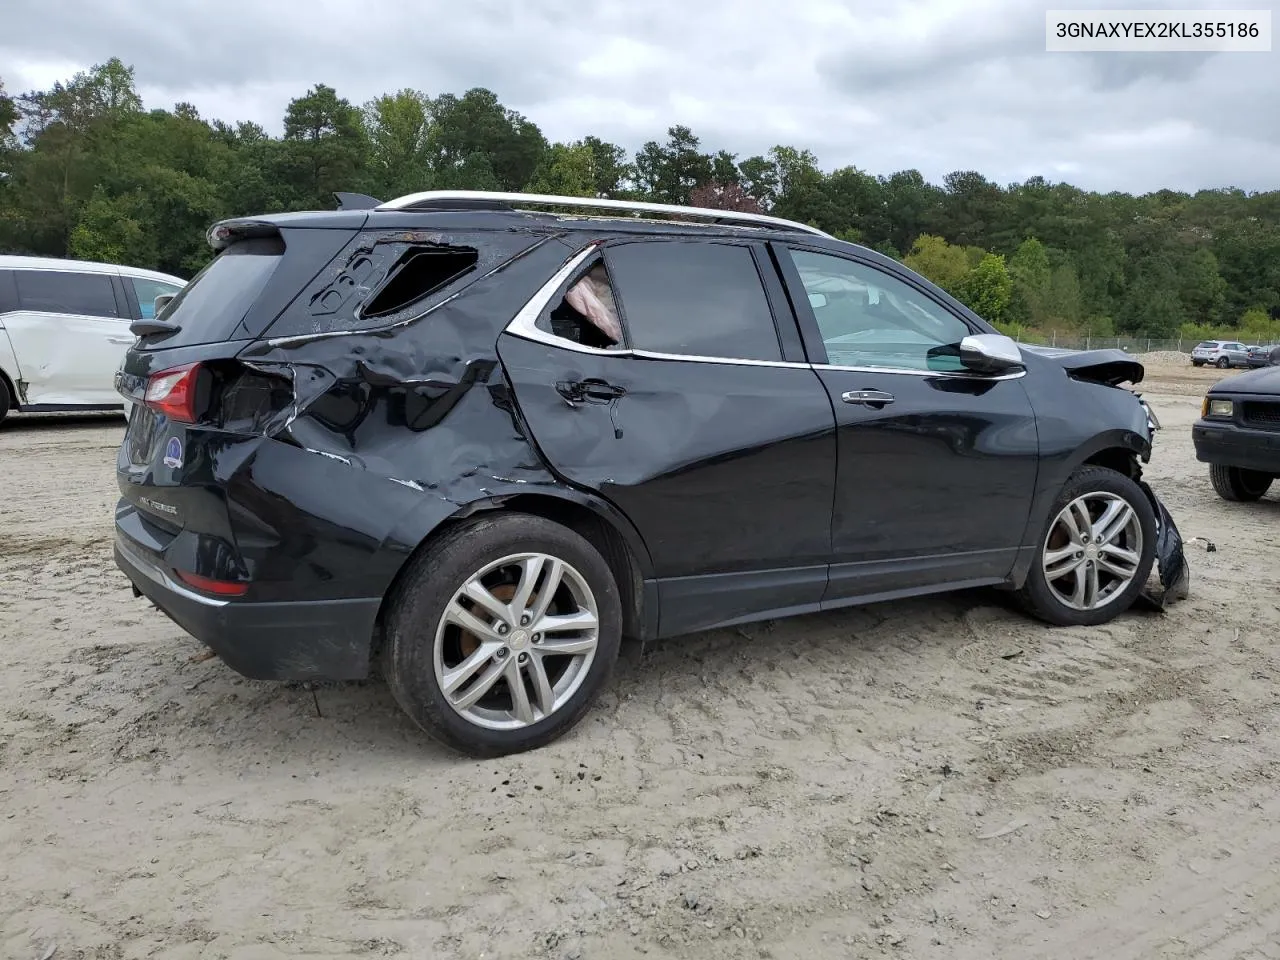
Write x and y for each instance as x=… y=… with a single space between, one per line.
x=1230 y=445
x=292 y=640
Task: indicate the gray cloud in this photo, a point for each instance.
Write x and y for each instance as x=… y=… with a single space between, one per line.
x=937 y=85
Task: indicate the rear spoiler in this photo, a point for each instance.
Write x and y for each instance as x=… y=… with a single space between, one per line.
x=356 y=201
x=226 y=232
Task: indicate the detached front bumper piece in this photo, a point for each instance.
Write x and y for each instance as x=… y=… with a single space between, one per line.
x=1174 y=575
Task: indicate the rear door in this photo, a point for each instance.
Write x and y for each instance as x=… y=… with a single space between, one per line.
x=703 y=424
x=70 y=332
x=937 y=466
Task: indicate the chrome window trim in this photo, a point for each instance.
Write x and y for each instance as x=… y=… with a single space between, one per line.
x=524 y=325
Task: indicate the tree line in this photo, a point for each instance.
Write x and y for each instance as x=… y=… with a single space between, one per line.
x=87 y=172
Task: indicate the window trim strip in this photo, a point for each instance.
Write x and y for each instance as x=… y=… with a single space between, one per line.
x=524 y=325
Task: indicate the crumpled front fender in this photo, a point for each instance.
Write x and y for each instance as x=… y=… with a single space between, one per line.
x=1174 y=578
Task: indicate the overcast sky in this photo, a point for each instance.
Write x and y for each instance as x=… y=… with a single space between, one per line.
x=884 y=85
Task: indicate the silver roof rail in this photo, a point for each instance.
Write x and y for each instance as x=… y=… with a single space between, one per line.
x=485 y=199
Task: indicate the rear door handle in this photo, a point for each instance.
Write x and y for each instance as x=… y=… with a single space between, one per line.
x=871 y=398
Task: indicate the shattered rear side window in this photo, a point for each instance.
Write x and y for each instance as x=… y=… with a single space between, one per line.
x=420 y=272
x=382 y=279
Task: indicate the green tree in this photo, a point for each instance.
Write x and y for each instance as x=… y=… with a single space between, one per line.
x=397 y=127
x=939 y=261
x=1029 y=268
x=476 y=143
x=669 y=173
x=326 y=147
x=987 y=289
x=567 y=169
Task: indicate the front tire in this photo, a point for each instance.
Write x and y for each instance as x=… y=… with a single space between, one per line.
x=1237 y=485
x=6 y=402
x=1096 y=553
x=502 y=633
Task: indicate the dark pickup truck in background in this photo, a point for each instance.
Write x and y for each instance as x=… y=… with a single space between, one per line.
x=1238 y=434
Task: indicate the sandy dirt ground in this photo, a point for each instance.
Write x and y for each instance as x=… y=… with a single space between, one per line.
x=934 y=779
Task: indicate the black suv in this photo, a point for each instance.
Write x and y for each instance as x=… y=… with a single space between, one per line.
x=477 y=445
x=1238 y=434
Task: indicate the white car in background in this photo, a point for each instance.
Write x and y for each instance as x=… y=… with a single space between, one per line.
x=64 y=330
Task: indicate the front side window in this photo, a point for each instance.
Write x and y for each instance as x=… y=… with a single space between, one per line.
x=148 y=290
x=868 y=318
x=67 y=292
x=693 y=298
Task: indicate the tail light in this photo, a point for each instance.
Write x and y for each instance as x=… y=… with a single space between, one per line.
x=218 y=588
x=173 y=392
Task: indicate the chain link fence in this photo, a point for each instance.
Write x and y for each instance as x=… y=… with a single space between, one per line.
x=1129 y=344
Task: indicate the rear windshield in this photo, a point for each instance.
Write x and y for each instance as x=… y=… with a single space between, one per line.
x=1207 y=344
x=210 y=307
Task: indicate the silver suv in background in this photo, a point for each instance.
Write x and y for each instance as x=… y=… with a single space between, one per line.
x=1220 y=353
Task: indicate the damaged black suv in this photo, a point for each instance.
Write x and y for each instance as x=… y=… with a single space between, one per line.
x=477 y=439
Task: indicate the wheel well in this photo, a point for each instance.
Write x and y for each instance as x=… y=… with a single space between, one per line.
x=597 y=531
x=1118 y=459
x=14 y=402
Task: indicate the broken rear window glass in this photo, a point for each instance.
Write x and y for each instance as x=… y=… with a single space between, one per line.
x=420 y=272
x=588 y=314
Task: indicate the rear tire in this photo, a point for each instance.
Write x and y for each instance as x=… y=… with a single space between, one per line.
x=499 y=686
x=1223 y=363
x=1197 y=363
x=1237 y=485
x=1108 y=563
x=6 y=402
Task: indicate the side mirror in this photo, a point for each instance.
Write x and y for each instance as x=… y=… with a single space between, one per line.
x=990 y=353
x=817 y=300
x=161 y=302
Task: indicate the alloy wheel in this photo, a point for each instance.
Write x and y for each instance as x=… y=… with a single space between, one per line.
x=516 y=641
x=1093 y=551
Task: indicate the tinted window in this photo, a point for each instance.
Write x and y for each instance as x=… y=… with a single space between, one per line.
x=218 y=297
x=869 y=318
x=8 y=292
x=696 y=299
x=62 y=291
x=147 y=291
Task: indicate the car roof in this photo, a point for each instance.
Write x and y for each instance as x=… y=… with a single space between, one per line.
x=11 y=262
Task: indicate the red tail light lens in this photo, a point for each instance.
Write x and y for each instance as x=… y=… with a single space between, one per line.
x=173 y=392
x=219 y=588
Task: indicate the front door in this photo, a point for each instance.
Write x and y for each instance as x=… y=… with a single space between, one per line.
x=717 y=446
x=937 y=466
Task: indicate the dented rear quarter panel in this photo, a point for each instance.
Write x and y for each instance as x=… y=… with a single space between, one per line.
x=396 y=428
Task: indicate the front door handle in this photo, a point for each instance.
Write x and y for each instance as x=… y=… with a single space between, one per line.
x=870 y=398
x=591 y=390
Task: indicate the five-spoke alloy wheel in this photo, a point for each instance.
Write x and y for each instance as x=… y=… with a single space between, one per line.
x=501 y=634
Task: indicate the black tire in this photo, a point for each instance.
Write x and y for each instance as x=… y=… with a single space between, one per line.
x=1037 y=597
x=1223 y=363
x=1197 y=363
x=1237 y=485
x=6 y=401
x=428 y=587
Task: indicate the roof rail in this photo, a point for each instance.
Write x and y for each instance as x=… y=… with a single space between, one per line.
x=491 y=200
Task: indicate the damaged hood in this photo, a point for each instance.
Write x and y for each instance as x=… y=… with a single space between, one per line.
x=1112 y=367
